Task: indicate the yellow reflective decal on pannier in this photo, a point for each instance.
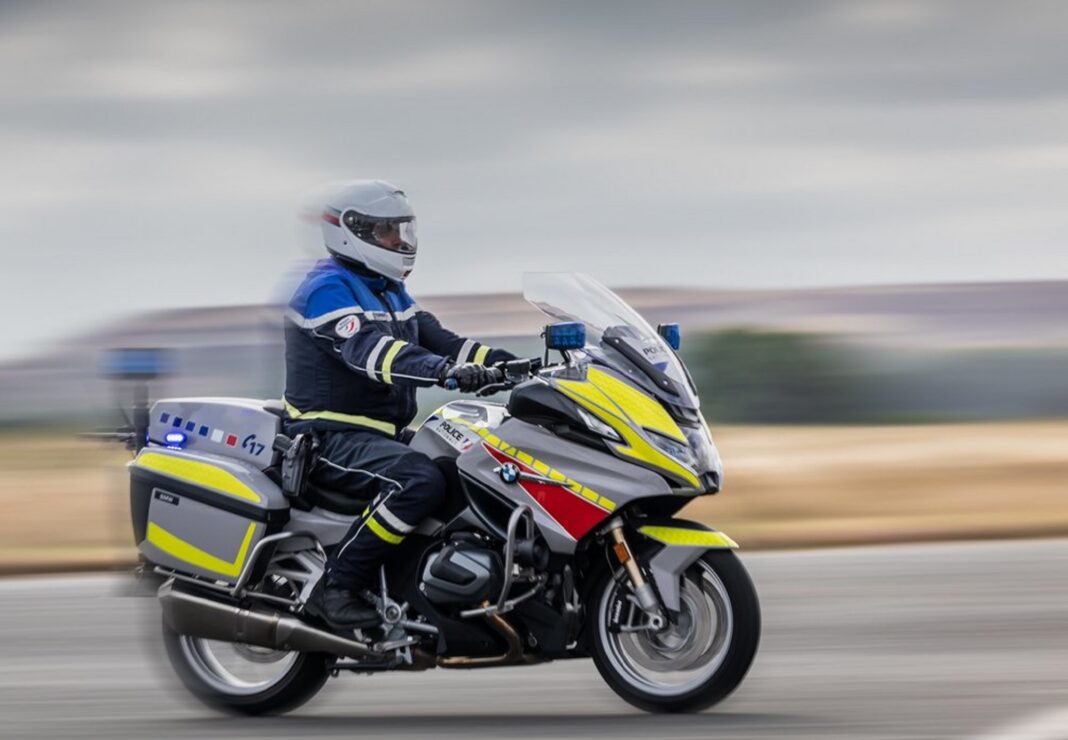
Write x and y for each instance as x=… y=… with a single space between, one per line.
x=179 y=548
x=198 y=473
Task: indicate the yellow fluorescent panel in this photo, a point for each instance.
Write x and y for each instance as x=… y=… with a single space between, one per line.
x=198 y=473
x=688 y=537
x=619 y=404
x=179 y=548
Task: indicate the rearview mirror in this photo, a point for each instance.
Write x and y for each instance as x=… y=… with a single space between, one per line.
x=565 y=335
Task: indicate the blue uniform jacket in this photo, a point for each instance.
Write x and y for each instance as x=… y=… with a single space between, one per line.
x=358 y=346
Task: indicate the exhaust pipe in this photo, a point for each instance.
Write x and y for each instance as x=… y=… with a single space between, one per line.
x=197 y=616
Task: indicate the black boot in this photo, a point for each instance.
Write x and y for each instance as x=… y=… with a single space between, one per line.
x=340 y=607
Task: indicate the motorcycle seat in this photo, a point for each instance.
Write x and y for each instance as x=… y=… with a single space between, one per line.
x=335 y=501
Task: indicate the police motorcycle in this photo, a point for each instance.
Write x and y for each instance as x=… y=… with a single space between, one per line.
x=559 y=538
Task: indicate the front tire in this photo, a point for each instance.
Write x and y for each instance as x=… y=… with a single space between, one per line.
x=242 y=679
x=699 y=659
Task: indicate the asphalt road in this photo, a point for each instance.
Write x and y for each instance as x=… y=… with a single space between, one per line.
x=954 y=640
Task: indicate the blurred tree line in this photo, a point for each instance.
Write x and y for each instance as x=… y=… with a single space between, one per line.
x=780 y=377
x=766 y=376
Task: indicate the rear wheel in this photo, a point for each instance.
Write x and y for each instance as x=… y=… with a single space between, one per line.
x=245 y=679
x=696 y=661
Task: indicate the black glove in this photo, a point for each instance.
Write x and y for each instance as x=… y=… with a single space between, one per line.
x=467 y=377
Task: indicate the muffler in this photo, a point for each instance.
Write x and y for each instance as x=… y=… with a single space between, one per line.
x=196 y=616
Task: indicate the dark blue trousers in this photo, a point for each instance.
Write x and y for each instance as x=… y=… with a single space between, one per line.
x=403 y=487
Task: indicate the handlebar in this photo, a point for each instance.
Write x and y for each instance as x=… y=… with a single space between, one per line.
x=503 y=375
x=511 y=374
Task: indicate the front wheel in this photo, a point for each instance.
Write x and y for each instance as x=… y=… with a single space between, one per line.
x=701 y=656
x=245 y=679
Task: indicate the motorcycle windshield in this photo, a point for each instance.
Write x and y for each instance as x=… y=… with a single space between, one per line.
x=615 y=333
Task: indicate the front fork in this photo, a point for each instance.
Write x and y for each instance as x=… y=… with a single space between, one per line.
x=643 y=590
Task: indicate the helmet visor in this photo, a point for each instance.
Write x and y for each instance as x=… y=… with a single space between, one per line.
x=396 y=235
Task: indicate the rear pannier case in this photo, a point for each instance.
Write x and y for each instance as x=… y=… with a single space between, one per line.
x=199 y=494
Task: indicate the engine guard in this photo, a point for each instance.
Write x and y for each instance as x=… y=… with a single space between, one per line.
x=683 y=543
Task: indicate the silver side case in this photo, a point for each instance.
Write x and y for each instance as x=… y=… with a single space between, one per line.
x=239 y=428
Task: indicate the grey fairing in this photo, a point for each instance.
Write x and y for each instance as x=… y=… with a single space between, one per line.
x=430 y=443
x=671 y=562
x=443 y=436
x=617 y=480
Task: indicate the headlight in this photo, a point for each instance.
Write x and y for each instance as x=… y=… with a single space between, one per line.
x=598 y=427
x=700 y=453
x=673 y=449
x=706 y=456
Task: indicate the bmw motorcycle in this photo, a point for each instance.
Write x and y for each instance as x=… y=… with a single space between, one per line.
x=558 y=538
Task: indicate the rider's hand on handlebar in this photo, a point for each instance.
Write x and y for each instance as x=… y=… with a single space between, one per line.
x=518 y=369
x=470 y=377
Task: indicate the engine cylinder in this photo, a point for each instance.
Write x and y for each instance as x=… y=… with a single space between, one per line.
x=462 y=574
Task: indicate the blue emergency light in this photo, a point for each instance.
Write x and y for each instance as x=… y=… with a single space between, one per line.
x=138 y=363
x=672 y=334
x=174 y=439
x=565 y=335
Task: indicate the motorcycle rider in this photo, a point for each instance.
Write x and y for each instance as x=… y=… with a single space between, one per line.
x=357 y=347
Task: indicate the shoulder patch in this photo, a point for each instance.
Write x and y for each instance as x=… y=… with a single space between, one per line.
x=347 y=326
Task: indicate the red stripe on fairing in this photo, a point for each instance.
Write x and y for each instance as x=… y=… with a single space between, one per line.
x=572 y=512
x=331 y=218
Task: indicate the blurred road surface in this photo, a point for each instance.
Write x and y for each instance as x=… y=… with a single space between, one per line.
x=952 y=640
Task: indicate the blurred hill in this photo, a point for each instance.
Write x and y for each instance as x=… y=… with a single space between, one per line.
x=935 y=330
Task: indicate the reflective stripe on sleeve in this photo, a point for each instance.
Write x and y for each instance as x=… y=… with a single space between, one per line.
x=480 y=356
x=372 y=359
x=387 y=362
x=465 y=350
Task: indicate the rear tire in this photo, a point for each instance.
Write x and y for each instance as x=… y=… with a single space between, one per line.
x=297 y=683
x=649 y=670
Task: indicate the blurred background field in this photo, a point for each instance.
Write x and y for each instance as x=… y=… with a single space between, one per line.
x=64 y=499
x=843 y=416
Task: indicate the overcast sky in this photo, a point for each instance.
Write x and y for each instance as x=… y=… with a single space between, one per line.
x=155 y=154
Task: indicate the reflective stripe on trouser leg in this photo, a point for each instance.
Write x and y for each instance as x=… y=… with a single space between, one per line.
x=385 y=524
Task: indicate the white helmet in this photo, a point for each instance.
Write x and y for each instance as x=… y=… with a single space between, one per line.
x=371 y=222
